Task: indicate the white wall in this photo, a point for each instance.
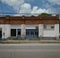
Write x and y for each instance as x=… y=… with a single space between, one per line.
x=52 y=33
x=40 y=30
x=23 y=31
x=44 y=33
x=5 y=30
x=31 y=26
x=57 y=30
x=15 y=26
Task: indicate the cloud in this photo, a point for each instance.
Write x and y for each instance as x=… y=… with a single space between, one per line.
x=37 y=11
x=55 y=1
x=54 y=10
x=51 y=1
x=13 y=3
x=26 y=10
x=23 y=8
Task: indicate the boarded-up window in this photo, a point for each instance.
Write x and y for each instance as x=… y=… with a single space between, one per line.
x=49 y=26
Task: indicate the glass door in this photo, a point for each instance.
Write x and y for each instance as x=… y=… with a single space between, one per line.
x=32 y=33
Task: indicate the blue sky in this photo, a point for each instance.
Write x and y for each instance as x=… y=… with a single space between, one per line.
x=29 y=7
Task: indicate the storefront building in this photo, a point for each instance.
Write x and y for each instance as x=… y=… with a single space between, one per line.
x=33 y=27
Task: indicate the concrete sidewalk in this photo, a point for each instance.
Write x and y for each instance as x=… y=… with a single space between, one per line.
x=28 y=41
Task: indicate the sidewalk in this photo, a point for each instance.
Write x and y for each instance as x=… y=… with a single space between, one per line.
x=28 y=41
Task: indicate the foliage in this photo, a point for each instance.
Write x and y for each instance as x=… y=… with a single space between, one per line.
x=45 y=14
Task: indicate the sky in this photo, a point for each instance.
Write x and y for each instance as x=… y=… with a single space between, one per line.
x=29 y=7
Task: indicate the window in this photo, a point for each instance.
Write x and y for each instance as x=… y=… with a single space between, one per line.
x=48 y=27
x=13 y=32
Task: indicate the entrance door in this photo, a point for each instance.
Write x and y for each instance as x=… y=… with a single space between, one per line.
x=32 y=33
x=0 y=34
x=19 y=33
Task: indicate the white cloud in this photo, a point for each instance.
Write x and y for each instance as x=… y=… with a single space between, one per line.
x=55 y=1
x=37 y=11
x=54 y=10
x=25 y=9
x=14 y=3
x=35 y=8
x=26 y=6
x=52 y=1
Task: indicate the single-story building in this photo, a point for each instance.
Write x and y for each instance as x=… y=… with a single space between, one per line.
x=29 y=27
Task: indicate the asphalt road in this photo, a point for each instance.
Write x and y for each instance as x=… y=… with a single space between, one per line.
x=32 y=50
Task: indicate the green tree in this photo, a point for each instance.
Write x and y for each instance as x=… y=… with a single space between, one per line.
x=45 y=14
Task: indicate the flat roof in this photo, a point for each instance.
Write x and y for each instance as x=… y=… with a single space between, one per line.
x=30 y=17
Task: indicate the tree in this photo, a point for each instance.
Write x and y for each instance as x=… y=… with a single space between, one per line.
x=45 y=14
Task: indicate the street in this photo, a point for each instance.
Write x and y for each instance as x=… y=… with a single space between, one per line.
x=30 y=50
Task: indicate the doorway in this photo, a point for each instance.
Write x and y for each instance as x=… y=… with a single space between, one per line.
x=32 y=33
x=18 y=33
